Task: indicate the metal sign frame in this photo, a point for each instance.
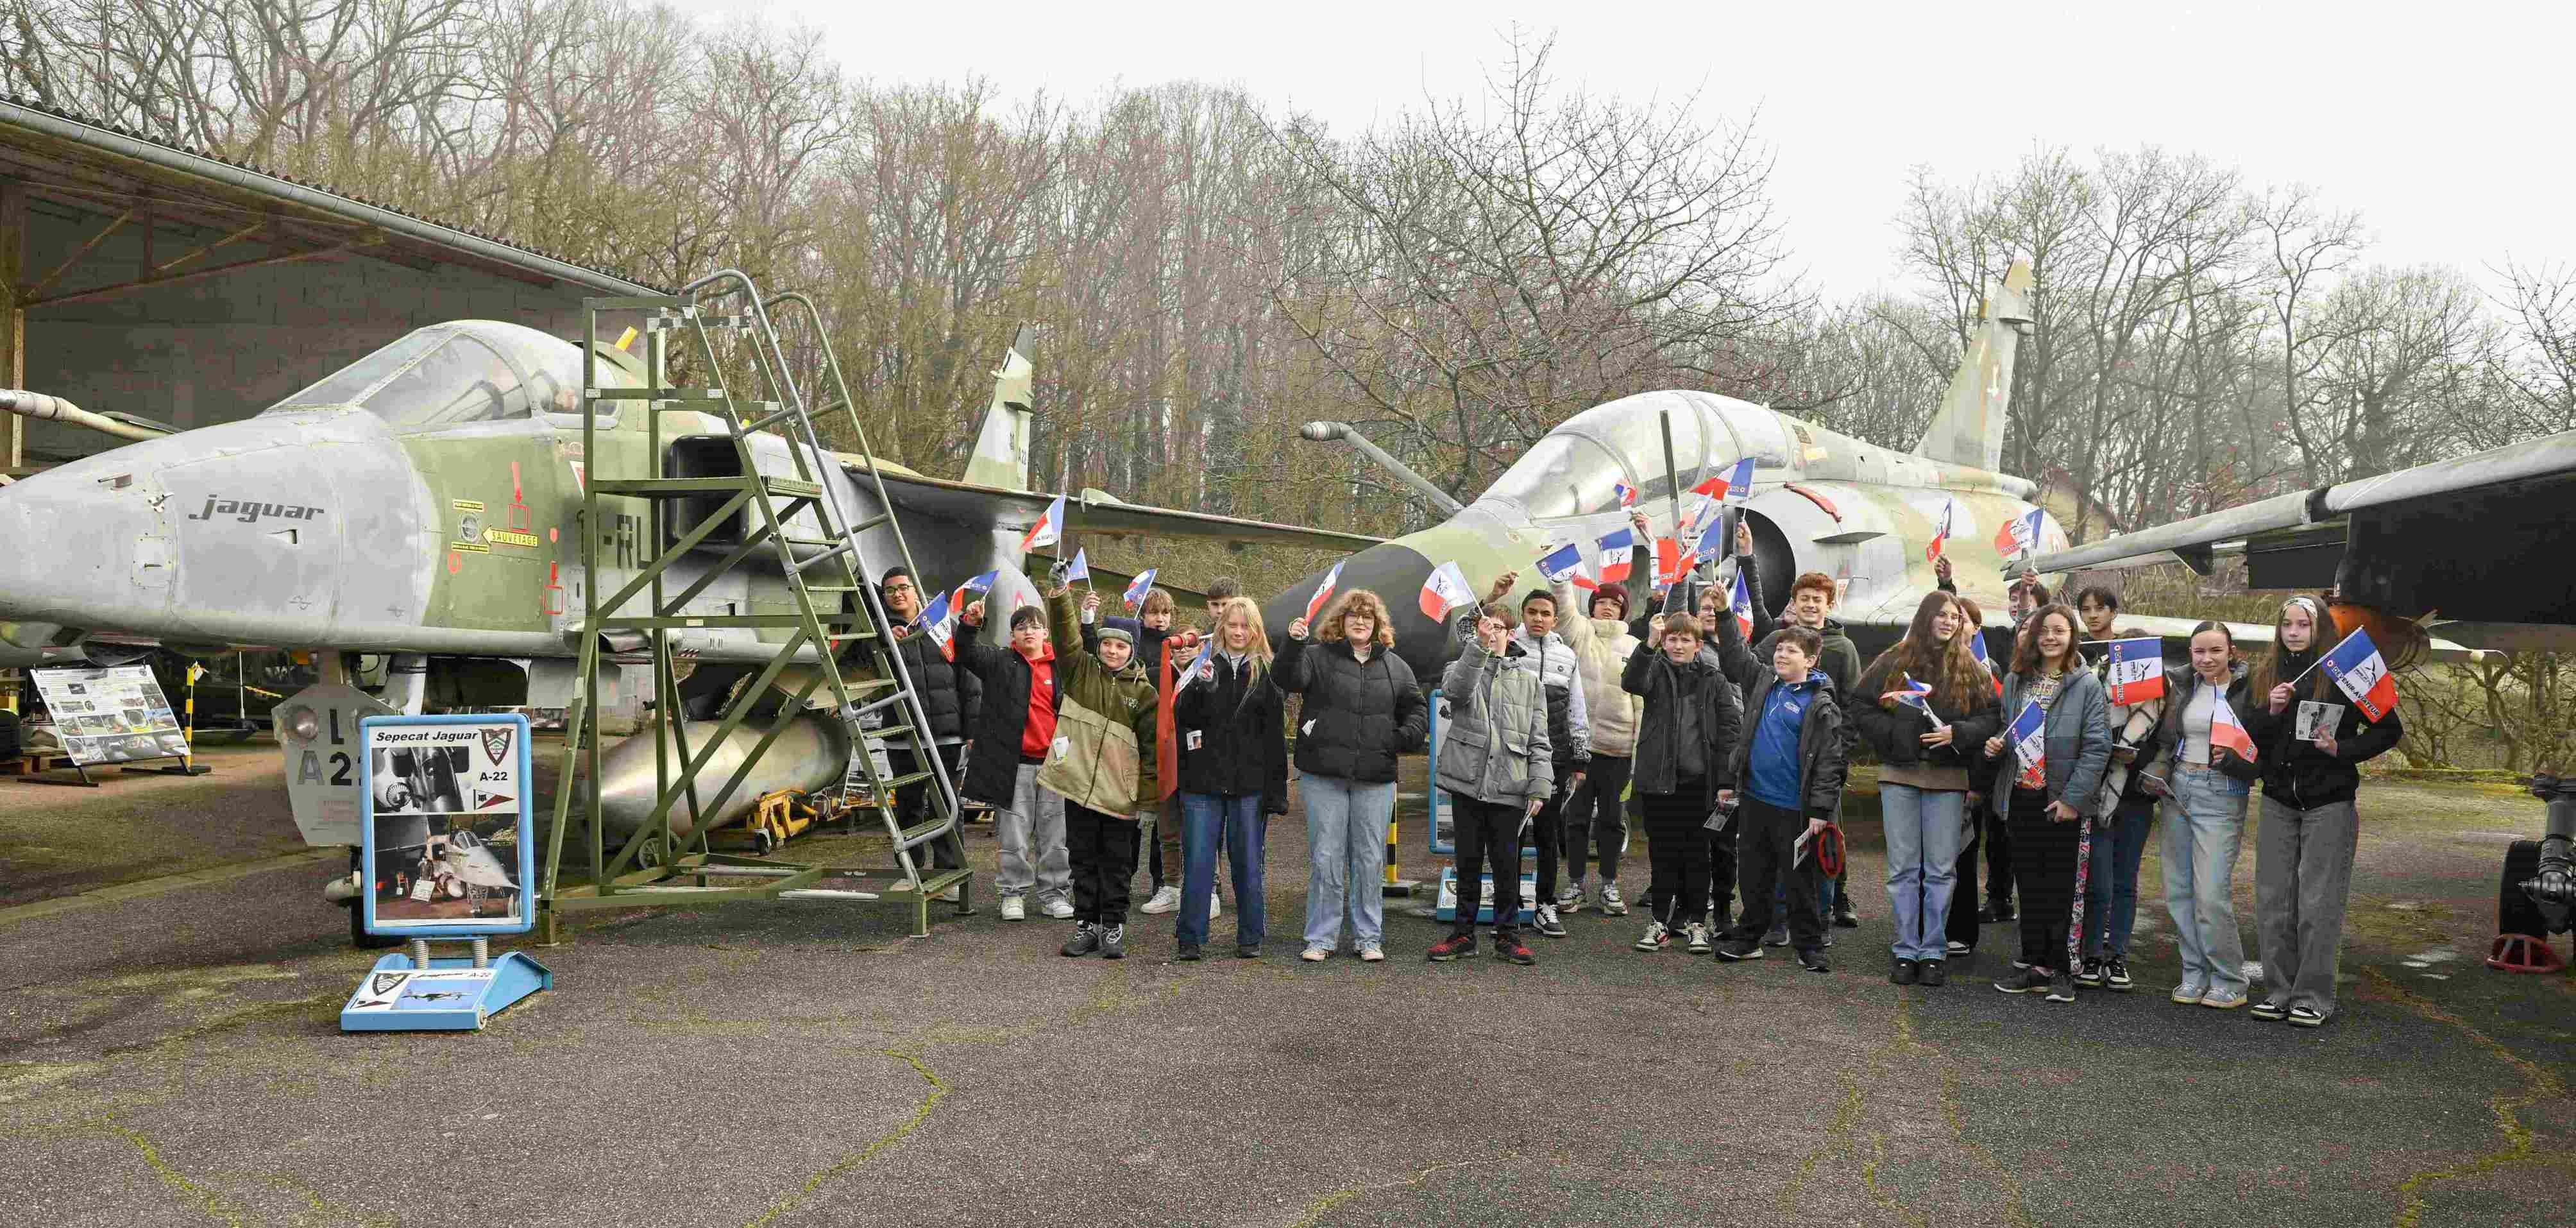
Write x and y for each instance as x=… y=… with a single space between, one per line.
x=526 y=918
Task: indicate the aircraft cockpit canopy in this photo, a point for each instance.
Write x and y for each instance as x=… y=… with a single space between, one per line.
x=1575 y=470
x=450 y=374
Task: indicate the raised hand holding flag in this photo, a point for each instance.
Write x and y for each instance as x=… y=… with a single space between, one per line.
x=1562 y=565
x=1323 y=592
x=1048 y=530
x=1742 y=604
x=1940 y=531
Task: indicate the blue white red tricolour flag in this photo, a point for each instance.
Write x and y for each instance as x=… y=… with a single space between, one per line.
x=1627 y=494
x=1141 y=588
x=934 y=620
x=1444 y=592
x=1742 y=604
x=2137 y=671
x=2028 y=736
x=2019 y=535
x=1324 y=592
x=1081 y=568
x=1916 y=695
x=1204 y=664
x=1734 y=485
x=1562 y=565
x=2356 y=666
x=2225 y=730
x=1614 y=555
x=1049 y=529
x=1940 y=531
x=1977 y=649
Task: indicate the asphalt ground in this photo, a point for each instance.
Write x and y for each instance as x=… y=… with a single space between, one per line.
x=172 y=1055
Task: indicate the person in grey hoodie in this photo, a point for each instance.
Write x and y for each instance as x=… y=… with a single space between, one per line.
x=1560 y=670
x=2050 y=808
x=1495 y=763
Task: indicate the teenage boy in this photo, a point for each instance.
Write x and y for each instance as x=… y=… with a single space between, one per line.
x=1786 y=781
x=1560 y=671
x=949 y=695
x=1013 y=735
x=1103 y=765
x=1811 y=605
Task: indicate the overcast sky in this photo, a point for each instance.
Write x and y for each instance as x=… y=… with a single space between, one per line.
x=2445 y=124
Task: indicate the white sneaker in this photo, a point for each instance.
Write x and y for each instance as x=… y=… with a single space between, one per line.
x=1696 y=934
x=1166 y=899
x=1216 y=906
x=1611 y=902
x=1014 y=908
x=1656 y=939
x=1060 y=909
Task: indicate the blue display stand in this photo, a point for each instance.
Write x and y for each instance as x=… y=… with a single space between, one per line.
x=451 y=996
x=432 y=869
x=1439 y=837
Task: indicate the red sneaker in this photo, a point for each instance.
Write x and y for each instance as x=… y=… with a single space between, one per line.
x=1513 y=949
x=1453 y=947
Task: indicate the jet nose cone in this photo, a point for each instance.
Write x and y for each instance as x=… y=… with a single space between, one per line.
x=90 y=540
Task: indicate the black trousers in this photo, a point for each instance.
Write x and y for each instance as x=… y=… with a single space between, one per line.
x=1102 y=848
x=1677 y=851
x=1963 y=894
x=1547 y=834
x=1596 y=820
x=1999 y=852
x=1488 y=834
x=1766 y=838
x=1721 y=868
x=2044 y=865
x=912 y=802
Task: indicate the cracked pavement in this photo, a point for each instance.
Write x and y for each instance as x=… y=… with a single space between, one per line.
x=172 y=1056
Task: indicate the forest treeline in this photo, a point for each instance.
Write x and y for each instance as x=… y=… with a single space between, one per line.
x=1208 y=270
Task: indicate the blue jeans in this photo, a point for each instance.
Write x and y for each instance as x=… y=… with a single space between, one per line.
x=1924 y=834
x=2111 y=893
x=1346 y=824
x=2204 y=830
x=1204 y=817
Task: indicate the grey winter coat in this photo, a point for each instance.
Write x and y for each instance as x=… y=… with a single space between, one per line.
x=2078 y=735
x=1496 y=747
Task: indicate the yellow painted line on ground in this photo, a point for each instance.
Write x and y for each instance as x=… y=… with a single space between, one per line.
x=143 y=888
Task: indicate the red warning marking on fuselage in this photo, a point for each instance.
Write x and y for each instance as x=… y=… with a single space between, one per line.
x=521 y=520
x=455 y=561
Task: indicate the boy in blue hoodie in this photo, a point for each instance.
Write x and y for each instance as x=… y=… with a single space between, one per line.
x=1786 y=777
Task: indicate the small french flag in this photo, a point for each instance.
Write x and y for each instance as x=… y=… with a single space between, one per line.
x=1977 y=649
x=1627 y=494
x=1324 y=592
x=1669 y=567
x=1049 y=529
x=1563 y=564
x=1743 y=605
x=1915 y=695
x=2137 y=670
x=1445 y=591
x=2019 y=535
x=2028 y=737
x=1081 y=569
x=1615 y=551
x=2356 y=666
x=1734 y=485
x=934 y=620
x=2225 y=730
x=1940 y=531
x=1142 y=588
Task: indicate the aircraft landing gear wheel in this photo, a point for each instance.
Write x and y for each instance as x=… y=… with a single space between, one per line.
x=2515 y=913
x=359 y=938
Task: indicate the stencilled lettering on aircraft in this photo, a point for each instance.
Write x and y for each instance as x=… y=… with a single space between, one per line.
x=249 y=511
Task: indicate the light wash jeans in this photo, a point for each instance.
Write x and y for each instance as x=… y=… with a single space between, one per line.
x=2111 y=897
x=1206 y=820
x=1033 y=828
x=2204 y=830
x=1924 y=832
x=1346 y=824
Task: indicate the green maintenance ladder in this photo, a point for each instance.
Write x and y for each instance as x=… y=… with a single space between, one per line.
x=834 y=623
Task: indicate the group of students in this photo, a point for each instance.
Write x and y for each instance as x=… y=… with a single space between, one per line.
x=1732 y=748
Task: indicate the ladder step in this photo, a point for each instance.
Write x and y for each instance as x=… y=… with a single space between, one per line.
x=887 y=732
x=915 y=836
x=909 y=778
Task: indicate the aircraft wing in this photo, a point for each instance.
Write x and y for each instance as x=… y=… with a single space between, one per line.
x=1092 y=511
x=2249 y=636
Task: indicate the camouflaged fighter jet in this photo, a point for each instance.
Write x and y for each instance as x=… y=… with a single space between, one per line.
x=425 y=502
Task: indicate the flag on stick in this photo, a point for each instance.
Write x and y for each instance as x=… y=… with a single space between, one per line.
x=1081 y=568
x=2225 y=730
x=1323 y=592
x=2028 y=735
x=1562 y=565
x=934 y=620
x=1734 y=485
x=1940 y=531
x=1742 y=604
x=1445 y=591
x=1614 y=555
x=2356 y=666
x=1048 y=530
x=2019 y=535
x=2137 y=670
x=1627 y=494
x=1141 y=588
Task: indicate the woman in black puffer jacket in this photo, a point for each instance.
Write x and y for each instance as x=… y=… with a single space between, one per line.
x=1363 y=708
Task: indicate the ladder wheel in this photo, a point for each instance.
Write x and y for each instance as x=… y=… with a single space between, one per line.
x=648 y=854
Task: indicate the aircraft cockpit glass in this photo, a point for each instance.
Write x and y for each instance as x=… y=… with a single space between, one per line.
x=1561 y=475
x=461 y=381
x=449 y=374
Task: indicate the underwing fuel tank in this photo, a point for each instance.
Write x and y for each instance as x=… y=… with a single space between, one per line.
x=811 y=754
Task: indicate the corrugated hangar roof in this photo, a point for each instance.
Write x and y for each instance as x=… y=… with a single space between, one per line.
x=78 y=162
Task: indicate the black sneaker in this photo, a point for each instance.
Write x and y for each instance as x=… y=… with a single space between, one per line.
x=2271 y=1010
x=2090 y=976
x=1813 y=960
x=1455 y=946
x=1113 y=941
x=1844 y=917
x=1995 y=912
x=2116 y=975
x=1188 y=954
x=1510 y=947
x=2307 y=1017
x=1904 y=972
x=1933 y=974
x=1085 y=940
x=1778 y=937
x=2023 y=980
x=1739 y=949
x=2061 y=988
x=1248 y=952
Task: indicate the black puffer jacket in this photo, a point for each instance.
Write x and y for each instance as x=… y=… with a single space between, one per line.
x=1652 y=676
x=2295 y=772
x=1358 y=717
x=1229 y=729
x=950 y=695
x=1897 y=735
x=993 y=768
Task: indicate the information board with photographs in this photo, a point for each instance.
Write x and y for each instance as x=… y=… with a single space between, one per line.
x=111 y=715
x=447 y=824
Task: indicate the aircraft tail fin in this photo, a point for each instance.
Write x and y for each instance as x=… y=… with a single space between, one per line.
x=1969 y=429
x=1001 y=458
